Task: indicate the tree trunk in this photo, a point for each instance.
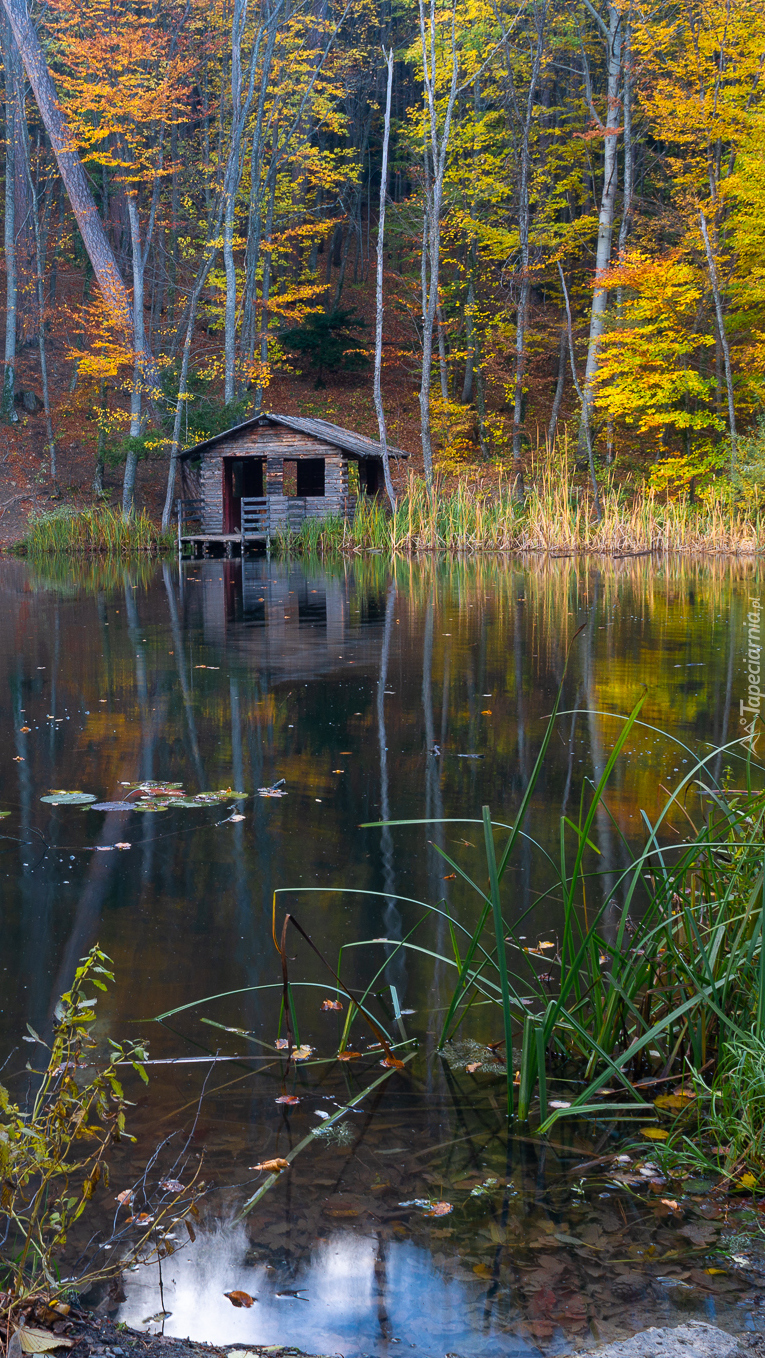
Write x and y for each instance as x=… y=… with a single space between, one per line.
x=612 y=36
x=713 y=278
x=93 y=235
x=559 y=386
x=10 y=58
x=524 y=218
x=435 y=153
x=379 y=286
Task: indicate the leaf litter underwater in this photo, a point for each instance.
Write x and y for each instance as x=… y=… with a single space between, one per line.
x=411 y=1219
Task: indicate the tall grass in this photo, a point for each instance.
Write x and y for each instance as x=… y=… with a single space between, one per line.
x=656 y=969
x=101 y=529
x=555 y=517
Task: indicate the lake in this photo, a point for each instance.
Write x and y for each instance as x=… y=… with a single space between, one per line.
x=350 y=693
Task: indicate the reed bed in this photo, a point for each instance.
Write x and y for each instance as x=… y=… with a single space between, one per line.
x=97 y=530
x=554 y=518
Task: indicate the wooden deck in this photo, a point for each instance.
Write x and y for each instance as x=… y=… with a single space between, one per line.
x=255 y=529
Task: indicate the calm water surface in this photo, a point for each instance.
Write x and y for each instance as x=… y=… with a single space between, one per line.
x=414 y=693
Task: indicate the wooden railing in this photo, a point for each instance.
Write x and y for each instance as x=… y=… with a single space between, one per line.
x=255 y=517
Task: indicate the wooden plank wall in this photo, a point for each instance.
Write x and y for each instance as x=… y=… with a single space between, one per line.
x=275 y=444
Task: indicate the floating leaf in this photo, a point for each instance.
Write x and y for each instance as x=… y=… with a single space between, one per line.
x=560 y=1103
x=123 y=846
x=272 y=1166
x=172 y=1186
x=348 y=1056
x=439 y=1209
x=654 y=1133
x=25 y=730
x=124 y=1196
x=239 y=816
x=301 y=1053
x=240 y=1298
x=112 y=806
x=19 y=759
x=332 y=1004
x=281 y=1044
x=748 y=1181
x=289 y=1099
x=41 y=1341
x=57 y=798
x=392 y=1062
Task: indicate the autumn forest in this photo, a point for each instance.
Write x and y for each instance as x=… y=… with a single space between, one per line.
x=525 y=222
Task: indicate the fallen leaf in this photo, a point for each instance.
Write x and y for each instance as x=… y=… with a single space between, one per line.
x=272 y=1166
x=472 y=1067
x=348 y=1056
x=123 y=845
x=240 y=1299
x=545 y=944
x=19 y=759
x=238 y=816
x=482 y=1270
x=439 y=1209
x=25 y=729
x=340 y=1212
x=486 y=712
x=142 y=1219
x=124 y=1196
x=450 y=877
x=332 y=1004
x=654 y=1133
x=301 y=1053
x=670 y=1202
x=172 y=1186
x=289 y=1099
x=338 y=770
x=559 y=1103
x=281 y=1044
x=392 y=1062
x=748 y=1181
x=41 y=1341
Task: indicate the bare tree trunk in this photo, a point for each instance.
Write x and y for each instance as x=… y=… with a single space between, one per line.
x=436 y=148
x=379 y=286
x=580 y=394
x=10 y=59
x=559 y=386
x=524 y=218
x=612 y=35
x=713 y=278
x=70 y=166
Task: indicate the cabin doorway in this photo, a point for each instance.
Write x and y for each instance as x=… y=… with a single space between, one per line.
x=243 y=477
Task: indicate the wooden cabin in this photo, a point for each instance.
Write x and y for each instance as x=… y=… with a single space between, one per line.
x=269 y=475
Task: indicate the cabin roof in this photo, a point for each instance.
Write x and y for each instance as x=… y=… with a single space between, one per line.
x=358 y=445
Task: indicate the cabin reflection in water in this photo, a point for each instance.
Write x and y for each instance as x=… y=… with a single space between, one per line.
x=284 y=621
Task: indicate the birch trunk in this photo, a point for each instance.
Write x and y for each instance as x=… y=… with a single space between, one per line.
x=714 y=280
x=524 y=217
x=436 y=148
x=379 y=286
x=612 y=35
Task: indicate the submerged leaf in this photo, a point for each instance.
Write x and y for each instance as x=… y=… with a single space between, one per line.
x=674 y=1103
x=654 y=1133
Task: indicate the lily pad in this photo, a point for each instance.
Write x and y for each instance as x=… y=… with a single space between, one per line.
x=55 y=798
x=113 y=806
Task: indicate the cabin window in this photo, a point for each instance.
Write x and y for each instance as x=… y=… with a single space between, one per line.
x=247 y=478
x=304 y=477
